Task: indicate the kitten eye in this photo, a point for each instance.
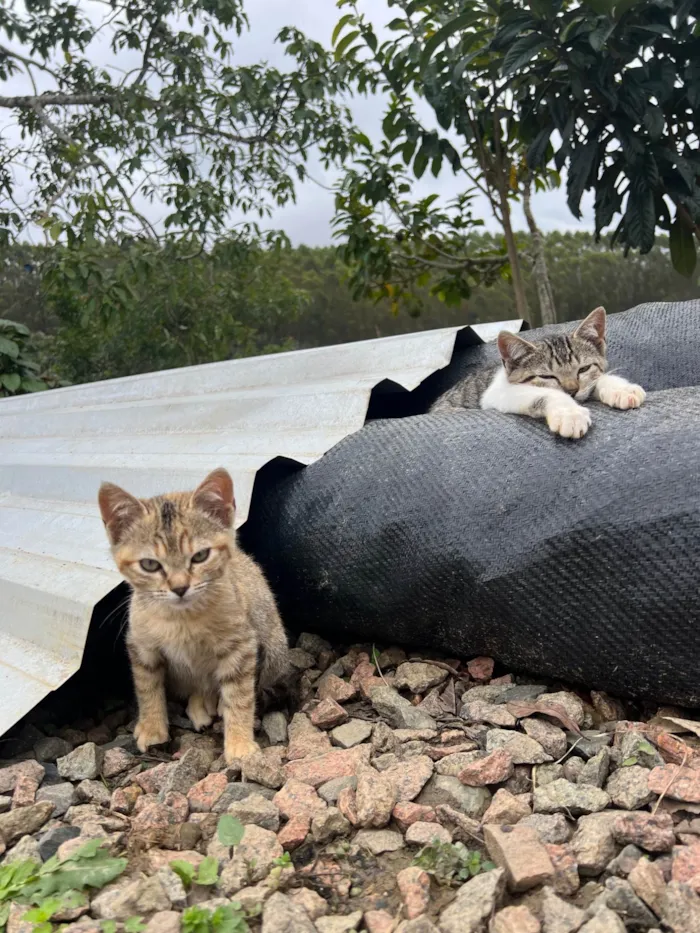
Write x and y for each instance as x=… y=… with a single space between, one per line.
x=547 y=376
x=584 y=369
x=200 y=556
x=149 y=565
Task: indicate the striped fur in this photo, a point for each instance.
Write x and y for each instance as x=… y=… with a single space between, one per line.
x=197 y=625
x=547 y=379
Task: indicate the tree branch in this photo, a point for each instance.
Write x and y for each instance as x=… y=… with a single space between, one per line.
x=54 y=99
x=100 y=163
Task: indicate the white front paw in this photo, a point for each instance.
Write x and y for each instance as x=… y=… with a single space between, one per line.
x=568 y=420
x=625 y=396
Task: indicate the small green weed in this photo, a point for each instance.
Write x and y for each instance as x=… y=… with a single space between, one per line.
x=55 y=885
x=134 y=925
x=451 y=862
x=230 y=919
x=207 y=873
x=646 y=747
x=283 y=861
x=229 y=830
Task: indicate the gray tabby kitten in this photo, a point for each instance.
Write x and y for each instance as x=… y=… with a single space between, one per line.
x=547 y=379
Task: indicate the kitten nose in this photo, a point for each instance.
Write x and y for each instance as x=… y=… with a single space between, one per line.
x=180 y=590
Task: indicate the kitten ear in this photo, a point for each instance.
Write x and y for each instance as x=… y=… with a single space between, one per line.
x=119 y=510
x=215 y=497
x=513 y=349
x=592 y=328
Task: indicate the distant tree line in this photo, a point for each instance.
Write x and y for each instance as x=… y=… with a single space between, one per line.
x=100 y=312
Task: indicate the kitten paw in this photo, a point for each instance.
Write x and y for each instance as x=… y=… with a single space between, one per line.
x=623 y=397
x=198 y=713
x=150 y=733
x=569 y=420
x=239 y=747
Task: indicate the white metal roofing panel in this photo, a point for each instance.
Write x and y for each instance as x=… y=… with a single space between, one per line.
x=152 y=433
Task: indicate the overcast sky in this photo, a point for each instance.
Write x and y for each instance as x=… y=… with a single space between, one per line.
x=308 y=221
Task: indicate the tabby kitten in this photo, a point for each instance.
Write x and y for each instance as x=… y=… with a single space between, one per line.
x=547 y=379
x=201 y=616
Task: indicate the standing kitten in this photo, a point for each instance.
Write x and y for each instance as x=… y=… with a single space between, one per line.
x=543 y=379
x=201 y=611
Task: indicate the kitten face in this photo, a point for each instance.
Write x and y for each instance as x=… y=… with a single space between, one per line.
x=172 y=549
x=571 y=363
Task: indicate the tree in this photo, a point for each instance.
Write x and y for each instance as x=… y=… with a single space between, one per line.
x=440 y=53
x=610 y=89
x=92 y=146
x=121 y=311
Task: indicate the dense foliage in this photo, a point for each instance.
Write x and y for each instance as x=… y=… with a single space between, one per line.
x=88 y=144
x=611 y=90
x=141 y=308
x=515 y=91
x=241 y=300
x=20 y=371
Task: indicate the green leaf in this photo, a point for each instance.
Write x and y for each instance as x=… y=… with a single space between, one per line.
x=581 y=166
x=570 y=26
x=208 y=871
x=4 y=914
x=521 y=52
x=89 y=850
x=185 y=871
x=654 y=121
x=340 y=25
x=468 y=18
x=228 y=920
x=600 y=35
x=109 y=926
x=520 y=23
x=628 y=762
x=420 y=163
x=683 y=251
x=11 y=381
x=33 y=385
x=44 y=911
x=346 y=41
x=15 y=326
x=76 y=876
x=229 y=830
x=537 y=151
x=9 y=348
x=640 y=218
x=134 y=925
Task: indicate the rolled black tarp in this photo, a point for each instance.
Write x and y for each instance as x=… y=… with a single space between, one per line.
x=482 y=533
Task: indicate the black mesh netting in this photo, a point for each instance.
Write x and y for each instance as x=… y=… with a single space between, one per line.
x=481 y=533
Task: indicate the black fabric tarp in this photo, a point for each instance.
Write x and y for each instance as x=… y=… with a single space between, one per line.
x=481 y=533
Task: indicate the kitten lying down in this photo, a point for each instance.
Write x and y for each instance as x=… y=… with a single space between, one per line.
x=202 y=616
x=547 y=379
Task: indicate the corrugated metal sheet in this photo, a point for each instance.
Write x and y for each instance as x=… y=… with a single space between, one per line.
x=152 y=433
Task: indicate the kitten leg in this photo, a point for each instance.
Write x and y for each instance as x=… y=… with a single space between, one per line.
x=563 y=415
x=617 y=392
x=198 y=712
x=236 y=678
x=148 y=669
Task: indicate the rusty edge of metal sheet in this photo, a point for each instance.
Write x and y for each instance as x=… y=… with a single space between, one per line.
x=151 y=433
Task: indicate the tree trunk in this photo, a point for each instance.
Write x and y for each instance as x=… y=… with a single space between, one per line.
x=548 y=311
x=521 y=307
